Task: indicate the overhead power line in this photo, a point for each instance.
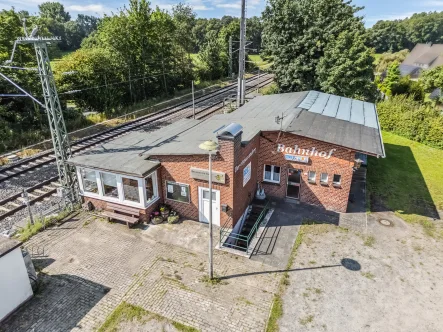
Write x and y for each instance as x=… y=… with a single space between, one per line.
x=109 y=84
x=19 y=68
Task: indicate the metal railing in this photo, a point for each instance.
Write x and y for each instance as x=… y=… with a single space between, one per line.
x=226 y=233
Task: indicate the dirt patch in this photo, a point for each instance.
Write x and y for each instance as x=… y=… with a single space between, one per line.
x=386 y=279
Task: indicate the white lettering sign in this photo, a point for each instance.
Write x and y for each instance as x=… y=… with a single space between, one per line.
x=203 y=174
x=247 y=174
x=304 y=152
x=245 y=160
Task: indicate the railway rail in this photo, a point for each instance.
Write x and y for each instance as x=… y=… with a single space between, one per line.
x=205 y=106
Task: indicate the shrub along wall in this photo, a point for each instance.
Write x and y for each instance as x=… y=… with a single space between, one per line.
x=406 y=117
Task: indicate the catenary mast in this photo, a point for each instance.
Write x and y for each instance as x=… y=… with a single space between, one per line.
x=241 y=57
x=59 y=134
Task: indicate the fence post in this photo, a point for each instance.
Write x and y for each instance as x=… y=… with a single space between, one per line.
x=26 y=202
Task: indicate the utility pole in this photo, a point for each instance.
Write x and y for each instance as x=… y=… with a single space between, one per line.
x=241 y=58
x=130 y=85
x=28 y=205
x=193 y=104
x=59 y=134
x=164 y=76
x=230 y=57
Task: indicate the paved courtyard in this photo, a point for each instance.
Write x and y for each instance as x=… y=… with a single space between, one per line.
x=89 y=266
x=393 y=281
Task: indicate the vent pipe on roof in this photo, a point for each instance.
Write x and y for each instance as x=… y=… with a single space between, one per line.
x=231 y=131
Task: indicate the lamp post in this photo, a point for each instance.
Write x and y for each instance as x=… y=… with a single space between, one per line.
x=210 y=146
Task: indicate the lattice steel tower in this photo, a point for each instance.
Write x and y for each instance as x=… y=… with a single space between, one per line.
x=59 y=134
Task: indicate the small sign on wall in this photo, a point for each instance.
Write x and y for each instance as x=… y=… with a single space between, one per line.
x=203 y=174
x=177 y=191
x=298 y=159
x=247 y=171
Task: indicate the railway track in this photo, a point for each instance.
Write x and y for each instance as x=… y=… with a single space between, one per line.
x=205 y=106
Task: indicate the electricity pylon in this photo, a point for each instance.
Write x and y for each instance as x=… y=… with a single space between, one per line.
x=59 y=134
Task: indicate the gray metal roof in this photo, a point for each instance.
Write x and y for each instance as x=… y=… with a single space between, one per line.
x=436 y=93
x=351 y=110
x=337 y=120
x=410 y=70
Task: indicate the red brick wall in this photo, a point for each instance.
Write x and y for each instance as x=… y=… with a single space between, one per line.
x=244 y=195
x=341 y=162
x=177 y=168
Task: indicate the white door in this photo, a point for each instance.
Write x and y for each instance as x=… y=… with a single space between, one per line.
x=203 y=197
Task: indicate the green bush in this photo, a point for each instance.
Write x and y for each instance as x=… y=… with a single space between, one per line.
x=403 y=115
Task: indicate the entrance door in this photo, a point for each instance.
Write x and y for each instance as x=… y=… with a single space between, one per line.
x=203 y=206
x=294 y=180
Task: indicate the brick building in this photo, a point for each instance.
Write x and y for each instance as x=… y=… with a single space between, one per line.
x=295 y=146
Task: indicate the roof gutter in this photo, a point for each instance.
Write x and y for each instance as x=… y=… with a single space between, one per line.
x=381 y=137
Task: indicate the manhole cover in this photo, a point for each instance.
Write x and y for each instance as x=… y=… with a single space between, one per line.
x=385 y=222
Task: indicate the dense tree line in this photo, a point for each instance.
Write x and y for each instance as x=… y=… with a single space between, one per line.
x=130 y=56
x=395 y=35
x=320 y=45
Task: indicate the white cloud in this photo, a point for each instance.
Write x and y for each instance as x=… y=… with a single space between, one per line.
x=400 y=16
x=228 y=5
x=201 y=7
x=433 y=3
x=164 y=6
x=99 y=8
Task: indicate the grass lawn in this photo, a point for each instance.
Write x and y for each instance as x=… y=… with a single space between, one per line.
x=409 y=180
x=258 y=60
x=140 y=320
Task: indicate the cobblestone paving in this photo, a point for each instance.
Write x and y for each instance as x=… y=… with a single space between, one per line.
x=91 y=266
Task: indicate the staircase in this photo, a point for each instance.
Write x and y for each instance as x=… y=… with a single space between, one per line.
x=248 y=225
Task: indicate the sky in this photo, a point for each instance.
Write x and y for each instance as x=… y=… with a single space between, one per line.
x=374 y=9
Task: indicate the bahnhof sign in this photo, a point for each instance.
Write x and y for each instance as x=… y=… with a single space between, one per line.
x=298 y=146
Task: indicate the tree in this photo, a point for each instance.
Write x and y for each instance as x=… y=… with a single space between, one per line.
x=87 y=24
x=93 y=68
x=392 y=36
x=212 y=59
x=386 y=59
x=392 y=79
x=295 y=34
x=346 y=67
x=254 y=33
x=432 y=79
x=184 y=20
x=388 y=36
x=424 y=28
x=54 y=11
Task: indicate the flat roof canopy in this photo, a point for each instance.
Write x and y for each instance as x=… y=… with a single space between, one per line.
x=337 y=120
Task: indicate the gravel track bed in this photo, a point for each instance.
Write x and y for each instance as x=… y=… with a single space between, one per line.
x=16 y=184
x=21 y=218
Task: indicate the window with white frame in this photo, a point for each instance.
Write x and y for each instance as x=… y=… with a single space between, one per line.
x=109 y=183
x=336 y=181
x=115 y=187
x=324 y=178
x=151 y=187
x=271 y=173
x=311 y=176
x=130 y=190
x=89 y=180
